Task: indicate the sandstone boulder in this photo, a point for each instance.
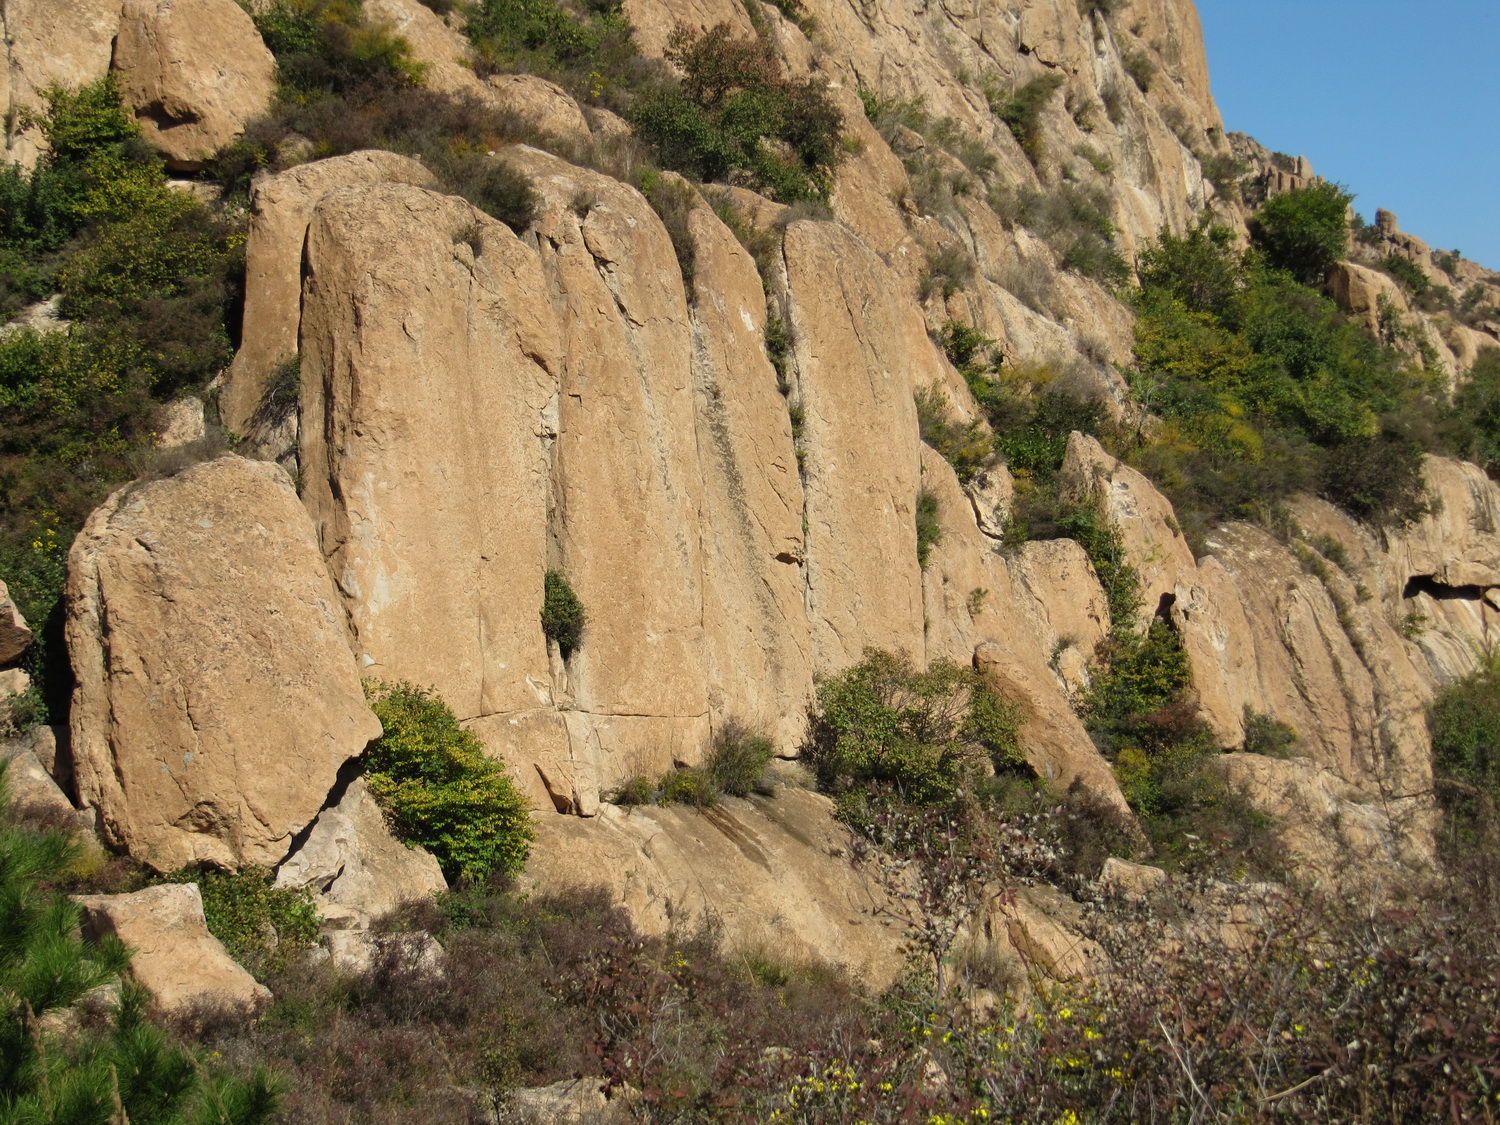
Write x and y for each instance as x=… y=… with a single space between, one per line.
x=15 y=634
x=32 y=790
x=774 y=870
x=216 y=694
x=176 y=959
x=49 y=44
x=356 y=952
x=574 y=1101
x=355 y=868
x=544 y=106
x=1132 y=880
x=281 y=207
x=194 y=71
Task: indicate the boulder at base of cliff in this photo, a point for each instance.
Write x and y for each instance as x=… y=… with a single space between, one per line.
x=355 y=868
x=182 y=965
x=217 y=694
x=15 y=634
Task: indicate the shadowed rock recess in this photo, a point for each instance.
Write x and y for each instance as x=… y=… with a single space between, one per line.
x=431 y=410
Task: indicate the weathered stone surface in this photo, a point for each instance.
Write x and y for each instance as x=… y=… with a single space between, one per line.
x=356 y=952
x=860 y=353
x=15 y=634
x=1067 y=608
x=46 y=44
x=1361 y=292
x=1042 y=928
x=759 y=653
x=441 y=50
x=194 y=71
x=355 y=868
x=543 y=105
x=773 y=870
x=183 y=424
x=32 y=789
x=216 y=695
x=281 y=207
x=575 y=1101
x=1133 y=880
x=428 y=386
x=176 y=959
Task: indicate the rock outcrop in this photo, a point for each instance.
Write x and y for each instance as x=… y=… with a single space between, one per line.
x=194 y=71
x=185 y=968
x=355 y=868
x=216 y=694
x=15 y=634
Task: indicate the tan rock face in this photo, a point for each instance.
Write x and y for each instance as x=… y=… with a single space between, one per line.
x=194 y=71
x=15 y=634
x=355 y=868
x=216 y=695
x=773 y=870
x=859 y=355
x=48 y=44
x=543 y=105
x=281 y=207
x=176 y=959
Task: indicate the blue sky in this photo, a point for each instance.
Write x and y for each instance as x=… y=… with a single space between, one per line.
x=1397 y=101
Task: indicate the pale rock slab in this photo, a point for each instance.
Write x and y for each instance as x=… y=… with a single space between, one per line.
x=774 y=870
x=1132 y=880
x=1067 y=606
x=543 y=105
x=357 y=952
x=755 y=623
x=32 y=789
x=860 y=352
x=216 y=694
x=428 y=384
x=355 y=868
x=194 y=71
x=281 y=208
x=15 y=634
x=183 y=966
x=574 y=1101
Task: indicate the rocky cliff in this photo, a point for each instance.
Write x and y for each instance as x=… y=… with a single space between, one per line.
x=480 y=405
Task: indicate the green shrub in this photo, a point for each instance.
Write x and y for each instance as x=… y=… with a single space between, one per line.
x=440 y=791
x=964 y=446
x=1140 y=67
x=733 y=113
x=1304 y=231
x=1268 y=736
x=1021 y=110
x=635 y=791
x=1474 y=419
x=1407 y=272
x=929 y=525
x=1464 y=720
x=737 y=760
x=563 y=615
x=687 y=786
x=261 y=925
x=329 y=46
x=673 y=201
x=1074 y=220
x=948 y=270
x=926 y=734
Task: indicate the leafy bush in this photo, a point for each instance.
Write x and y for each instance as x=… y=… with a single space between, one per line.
x=1407 y=272
x=948 y=270
x=1021 y=110
x=1474 y=420
x=926 y=734
x=1464 y=720
x=1074 y=220
x=328 y=46
x=966 y=447
x=734 y=116
x=1268 y=736
x=440 y=791
x=737 y=759
x=261 y=925
x=1140 y=67
x=687 y=786
x=563 y=615
x=929 y=525
x=1304 y=231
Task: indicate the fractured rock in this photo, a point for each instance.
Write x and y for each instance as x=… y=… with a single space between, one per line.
x=355 y=868
x=183 y=966
x=216 y=694
x=15 y=634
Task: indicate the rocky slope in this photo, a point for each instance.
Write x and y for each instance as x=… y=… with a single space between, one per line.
x=478 y=406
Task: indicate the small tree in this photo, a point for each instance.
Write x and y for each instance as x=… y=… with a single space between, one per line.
x=563 y=615
x=1305 y=231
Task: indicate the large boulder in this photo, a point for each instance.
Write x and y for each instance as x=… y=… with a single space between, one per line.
x=184 y=967
x=216 y=694
x=195 y=72
x=15 y=634
x=355 y=868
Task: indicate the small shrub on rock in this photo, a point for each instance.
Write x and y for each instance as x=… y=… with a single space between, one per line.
x=440 y=791
x=737 y=759
x=261 y=925
x=563 y=615
x=687 y=786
